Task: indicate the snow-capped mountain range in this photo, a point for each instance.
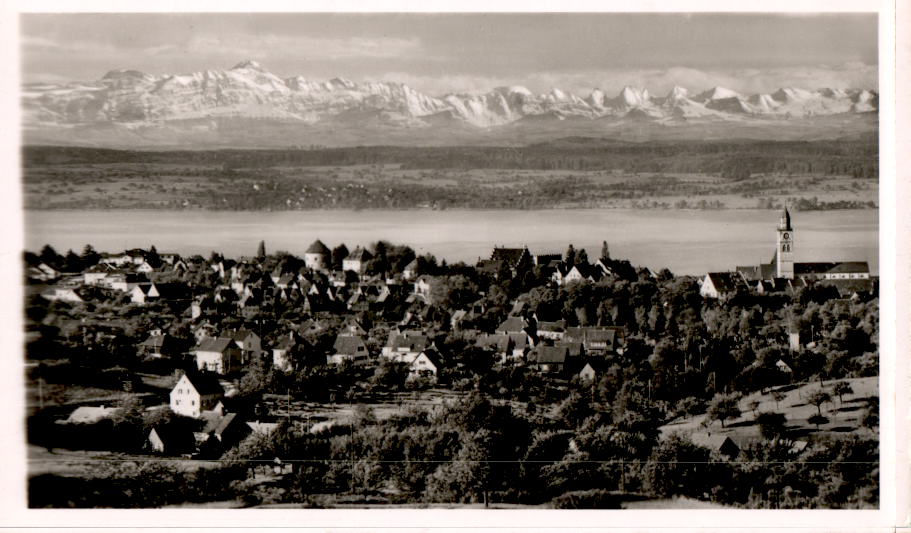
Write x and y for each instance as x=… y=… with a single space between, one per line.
x=132 y=100
x=126 y=96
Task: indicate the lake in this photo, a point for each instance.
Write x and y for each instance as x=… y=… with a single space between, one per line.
x=687 y=242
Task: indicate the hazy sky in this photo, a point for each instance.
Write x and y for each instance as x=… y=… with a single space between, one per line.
x=440 y=53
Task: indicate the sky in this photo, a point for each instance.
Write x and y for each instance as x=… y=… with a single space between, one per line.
x=443 y=53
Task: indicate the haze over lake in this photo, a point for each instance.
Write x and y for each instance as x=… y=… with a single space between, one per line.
x=687 y=242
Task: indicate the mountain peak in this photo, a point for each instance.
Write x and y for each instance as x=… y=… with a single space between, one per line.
x=248 y=64
x=633 y=97
x=719 y=93
x=119 y=74
x=677 y=92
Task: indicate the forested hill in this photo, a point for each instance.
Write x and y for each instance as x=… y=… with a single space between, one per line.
x=857 y=157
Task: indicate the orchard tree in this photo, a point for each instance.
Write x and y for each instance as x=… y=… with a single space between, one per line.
x=778 y=396
x=754 y=406
x=723 y=407
x=841 y=388
x=818 y=398
x=772 y=425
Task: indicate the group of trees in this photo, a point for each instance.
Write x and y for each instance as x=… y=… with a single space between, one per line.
x=478 y=450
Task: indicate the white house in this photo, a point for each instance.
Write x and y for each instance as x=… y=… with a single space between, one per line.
x=411 y=269
x=281 y=352
x=357 y=260
x=190 y=397
x=220 y=355
x=720 y=285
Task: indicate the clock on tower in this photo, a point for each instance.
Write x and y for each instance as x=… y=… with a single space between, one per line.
x=784 y=264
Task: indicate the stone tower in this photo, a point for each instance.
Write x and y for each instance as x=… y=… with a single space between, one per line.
x=784 y=255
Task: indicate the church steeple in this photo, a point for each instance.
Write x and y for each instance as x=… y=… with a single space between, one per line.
x=784 y=223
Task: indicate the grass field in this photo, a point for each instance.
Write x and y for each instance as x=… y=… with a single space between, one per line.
x=164 y=186
x=844 y=418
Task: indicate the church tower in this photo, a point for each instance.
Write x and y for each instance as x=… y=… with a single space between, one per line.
x=784 y=255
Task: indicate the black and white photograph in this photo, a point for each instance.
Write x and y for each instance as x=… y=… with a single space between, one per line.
x=363 y=260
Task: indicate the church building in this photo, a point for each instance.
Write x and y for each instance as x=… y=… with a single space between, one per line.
x=783 y=266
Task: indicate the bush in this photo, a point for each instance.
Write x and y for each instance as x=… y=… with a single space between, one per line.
x=772 y=425
x=587 y=499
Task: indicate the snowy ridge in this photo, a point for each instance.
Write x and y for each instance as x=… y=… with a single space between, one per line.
x=133 y=98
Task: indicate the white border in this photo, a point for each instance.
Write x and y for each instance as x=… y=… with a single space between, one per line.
x=894 y=289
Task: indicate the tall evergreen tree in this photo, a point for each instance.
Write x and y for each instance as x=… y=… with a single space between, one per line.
x=261 y=251
x=570 y=258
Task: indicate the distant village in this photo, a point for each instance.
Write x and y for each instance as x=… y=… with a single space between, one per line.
x=212 y=351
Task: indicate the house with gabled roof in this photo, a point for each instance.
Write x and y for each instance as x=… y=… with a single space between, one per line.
x=219 y=354
x=411 y=270
x=576 y=273
x=515 y=259
x=597 y=340
x=219 y=428
x=349 y=347
x=42 y=272
x=357 y=260
x=499 y=343
x=159 y=345
x=721 y=285
x=423 y=287
x=249 y=343
x=62 y=294
x=550 y=359
x=425 y=365
x=552 y=330
x=410 y=342
x=90 y=414
x=593 y=369
x=194 y=394
x=513 y=324
x=353 y=326
x=282 y=351
x=169 y=439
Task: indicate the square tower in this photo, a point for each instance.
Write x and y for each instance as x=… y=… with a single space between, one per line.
x=784 y=254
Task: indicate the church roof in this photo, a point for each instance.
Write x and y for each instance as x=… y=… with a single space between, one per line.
x=813 y=268
x=784 y=222
x=850 y=267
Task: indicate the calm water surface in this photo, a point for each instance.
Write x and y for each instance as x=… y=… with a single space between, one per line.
x=687 y=242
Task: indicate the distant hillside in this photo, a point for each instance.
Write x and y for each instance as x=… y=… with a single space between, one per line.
x=856 y=157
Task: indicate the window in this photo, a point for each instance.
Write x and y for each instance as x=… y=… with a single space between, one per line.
x=192 y=402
